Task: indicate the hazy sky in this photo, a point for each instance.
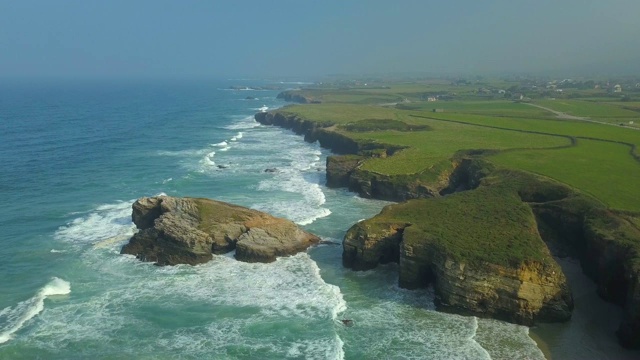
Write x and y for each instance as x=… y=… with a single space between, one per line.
x=97 y=39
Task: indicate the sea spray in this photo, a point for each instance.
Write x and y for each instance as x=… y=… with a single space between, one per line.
x=13 y=318
x=107 y=221
x=506 y=341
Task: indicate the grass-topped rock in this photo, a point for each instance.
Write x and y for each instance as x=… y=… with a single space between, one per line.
x=190 y=230
x=480 y=249
x=482 y=236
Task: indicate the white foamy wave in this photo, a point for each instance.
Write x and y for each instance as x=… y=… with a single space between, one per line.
x=181 y=153
x=296 y=185
x=506 y=341
x=239 y=135
x=167 y=180
x=55 y=251
x=317 y=349
x=214 y=342
x=229 y=297
x=220 y=144
x=245 y=123
x=480 y=349
x=234 y=139
x=13 y=318
x=297 y=82
x=207 y=159
x=295 y=182
x=301 y=212
x=106 y=222
x=225 y=148
x=388 y=318
x=322 y=212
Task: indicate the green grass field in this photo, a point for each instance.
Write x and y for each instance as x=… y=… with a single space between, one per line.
x=427 y=148
x=527 y=137
x=551 y=126
x=588 y=108
x=489 y=107
x=492 y=181
x=602 y=169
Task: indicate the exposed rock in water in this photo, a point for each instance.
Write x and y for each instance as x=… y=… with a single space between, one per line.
x=189 y=230
x=347 y=322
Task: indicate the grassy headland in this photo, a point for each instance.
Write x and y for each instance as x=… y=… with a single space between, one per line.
x=564 y=172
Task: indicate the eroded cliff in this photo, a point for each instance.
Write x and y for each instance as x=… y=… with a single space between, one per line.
x=479 y=249
x=489 y=280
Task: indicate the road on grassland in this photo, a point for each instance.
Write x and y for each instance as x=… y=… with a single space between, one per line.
x=565 y=116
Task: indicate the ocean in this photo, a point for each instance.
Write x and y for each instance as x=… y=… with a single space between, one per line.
x=76 y=154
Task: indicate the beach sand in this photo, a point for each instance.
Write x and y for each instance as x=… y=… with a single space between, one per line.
x=591 y=332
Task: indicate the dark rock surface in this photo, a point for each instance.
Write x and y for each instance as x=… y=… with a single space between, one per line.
x=190 y=230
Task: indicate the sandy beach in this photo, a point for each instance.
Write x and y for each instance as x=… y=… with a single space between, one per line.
x=591 y=332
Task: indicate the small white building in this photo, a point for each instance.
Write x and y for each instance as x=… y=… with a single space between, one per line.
x=617 y=88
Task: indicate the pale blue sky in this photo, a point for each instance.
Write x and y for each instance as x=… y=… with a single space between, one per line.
x=157 y=39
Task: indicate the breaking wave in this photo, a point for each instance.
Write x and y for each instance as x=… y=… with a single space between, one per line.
x=13 y=318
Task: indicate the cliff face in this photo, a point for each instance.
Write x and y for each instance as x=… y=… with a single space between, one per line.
x=606 y=244
x=525 y=293
x=478 y=274
x=344 y=170
x=364 y=248
x=189 y=230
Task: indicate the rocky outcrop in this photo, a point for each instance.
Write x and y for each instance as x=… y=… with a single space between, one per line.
x=190 y=230
x=340 y=169
x=469 y=274
x=569 y=223
x=523 y=293
x=606 y=242
x=297 y=97
x=343 y=170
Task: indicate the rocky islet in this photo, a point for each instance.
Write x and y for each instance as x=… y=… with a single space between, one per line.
x=191 y=230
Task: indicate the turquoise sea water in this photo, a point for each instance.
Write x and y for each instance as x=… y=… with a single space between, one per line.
x=75 y=155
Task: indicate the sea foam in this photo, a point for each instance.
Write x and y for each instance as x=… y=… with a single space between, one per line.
x=109 y=221
x=15 y=317
x=247 y=122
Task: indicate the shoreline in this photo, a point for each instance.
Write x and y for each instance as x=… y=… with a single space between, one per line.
x=590 y=334
x=594 y=321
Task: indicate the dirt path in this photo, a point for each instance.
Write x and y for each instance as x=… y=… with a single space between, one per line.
x=561 y=115
x=565 y=116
